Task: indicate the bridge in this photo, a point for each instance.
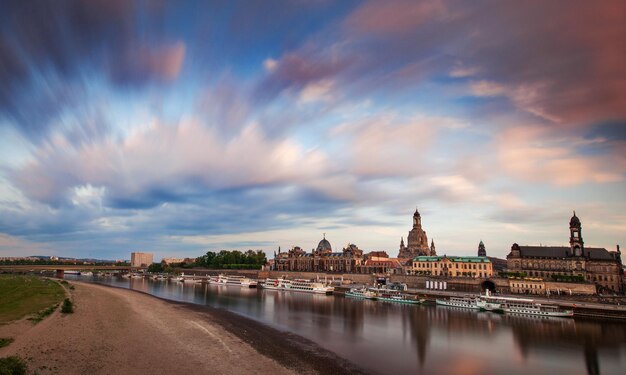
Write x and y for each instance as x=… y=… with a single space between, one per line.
x=61 y=268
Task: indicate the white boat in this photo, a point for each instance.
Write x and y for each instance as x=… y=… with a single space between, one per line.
x=137 y=276
x=190 y=280
x=366 y=293
x=126 y=275
x=71 y=272
x=241 y=281
x=274 y=284
x=466 y=302
x=512 y=305
x=178 y=278
x=488 y=302
x=308 y=286
x=88 y=273
x=392 y=295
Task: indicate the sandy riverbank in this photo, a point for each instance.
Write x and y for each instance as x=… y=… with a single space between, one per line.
x=121 y=331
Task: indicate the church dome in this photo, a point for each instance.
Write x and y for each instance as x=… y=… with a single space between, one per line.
x=324 y=245
x=574 y=221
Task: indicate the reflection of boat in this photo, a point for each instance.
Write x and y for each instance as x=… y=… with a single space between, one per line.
x=511 y=305
x=467 y=302
x=366 y=293
x=308 y=286
x=241 y=281
x=393 y=295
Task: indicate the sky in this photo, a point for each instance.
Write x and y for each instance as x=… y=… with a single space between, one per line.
x=178 y=127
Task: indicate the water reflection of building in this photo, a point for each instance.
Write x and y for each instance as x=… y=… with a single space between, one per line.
x=595 y=265
x=554 y=335
x=551 y=336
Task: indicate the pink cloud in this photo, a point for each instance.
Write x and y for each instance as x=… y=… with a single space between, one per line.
x=394 y=17
x=540 y=154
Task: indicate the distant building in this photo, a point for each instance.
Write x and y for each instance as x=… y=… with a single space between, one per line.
x=141 y=259
x=417 y=241
x=595 y=265
x=482 y=252
x=321 y=259
x=497 y=264
x=452 y=266
x=177 y=260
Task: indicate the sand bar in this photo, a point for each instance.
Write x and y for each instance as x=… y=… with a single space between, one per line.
x=116 y=331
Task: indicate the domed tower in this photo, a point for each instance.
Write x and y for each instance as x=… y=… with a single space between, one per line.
x=482 y=252
x=417 y=242
x=576 y=242
x=324 y=246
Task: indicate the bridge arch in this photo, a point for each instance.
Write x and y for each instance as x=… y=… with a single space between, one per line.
x=488 y=284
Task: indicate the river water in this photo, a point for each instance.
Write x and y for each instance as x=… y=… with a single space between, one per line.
x=398 y=339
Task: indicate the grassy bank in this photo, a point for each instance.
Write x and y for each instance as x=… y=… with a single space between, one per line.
x=24 y=295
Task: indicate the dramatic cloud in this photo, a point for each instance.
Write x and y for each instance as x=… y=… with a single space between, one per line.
x=177 y=159
x=159 y=125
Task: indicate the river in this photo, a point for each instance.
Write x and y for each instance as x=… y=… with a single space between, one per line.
x=388 y=338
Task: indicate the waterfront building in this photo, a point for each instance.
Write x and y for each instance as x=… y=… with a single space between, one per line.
x=378 y=262
x=140 y=259
x=594 y=265
x=452 y=266
x=417 y=241
x=527 y=286
x=321 y=259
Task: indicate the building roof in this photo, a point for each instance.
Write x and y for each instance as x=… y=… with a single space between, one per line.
x=324 y=245
x=594 y=253
x=383 y=262
x=452 y=258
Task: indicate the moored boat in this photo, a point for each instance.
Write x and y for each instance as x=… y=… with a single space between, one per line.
x=466 y=302
x=241 y=281
x=393 y=295
x=191 y=280
x=523 y=306
x=488 y=302
x=307 y=286
x=365 y=293
x=274 y=284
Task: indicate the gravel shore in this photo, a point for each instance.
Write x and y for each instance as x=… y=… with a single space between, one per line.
x=121 y=331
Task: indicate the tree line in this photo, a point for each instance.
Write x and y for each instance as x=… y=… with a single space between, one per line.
x=232 y=259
